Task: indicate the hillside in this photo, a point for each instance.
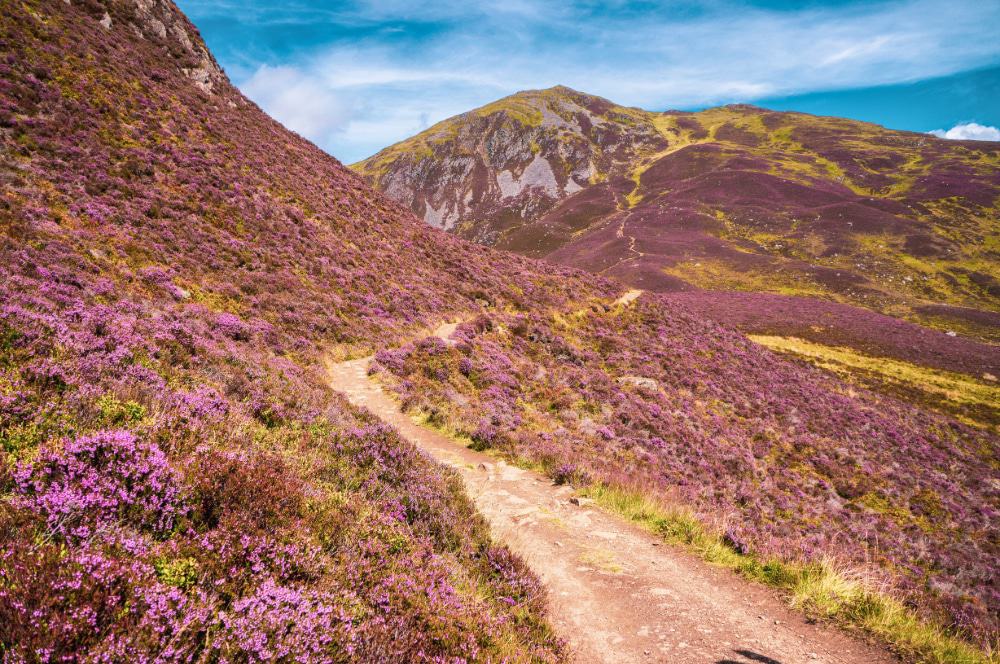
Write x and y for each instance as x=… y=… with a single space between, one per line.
x=497 y=167
x=178 y=482
x=176 y=479
x=785 y=460
x=731 y=198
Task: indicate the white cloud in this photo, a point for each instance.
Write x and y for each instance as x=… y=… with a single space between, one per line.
x=299 y=100
x=355 y=96
x=969 y=131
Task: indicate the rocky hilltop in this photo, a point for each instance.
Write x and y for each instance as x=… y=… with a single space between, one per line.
x=731 y=198
x=494 y=168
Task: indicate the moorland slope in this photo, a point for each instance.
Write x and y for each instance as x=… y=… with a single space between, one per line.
x=731 y=198
x=178 y=481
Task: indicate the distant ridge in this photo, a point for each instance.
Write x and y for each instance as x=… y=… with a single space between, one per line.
x=735 y=197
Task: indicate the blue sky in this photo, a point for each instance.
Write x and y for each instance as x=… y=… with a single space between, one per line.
x=357 y=75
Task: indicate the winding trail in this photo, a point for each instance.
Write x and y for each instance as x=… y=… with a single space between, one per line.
x=633 y=253
x=616 y=592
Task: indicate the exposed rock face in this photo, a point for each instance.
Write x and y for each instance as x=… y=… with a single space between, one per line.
x=505 y=164
x=160 y=21
x=732 y=198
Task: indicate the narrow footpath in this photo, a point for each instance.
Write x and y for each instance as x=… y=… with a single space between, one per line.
x=616 y=592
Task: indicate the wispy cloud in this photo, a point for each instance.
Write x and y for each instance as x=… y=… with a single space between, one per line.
x=969 y=131
x=387 y=67
x=300 y=100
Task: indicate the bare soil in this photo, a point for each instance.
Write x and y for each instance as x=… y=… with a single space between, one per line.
x=616 y=592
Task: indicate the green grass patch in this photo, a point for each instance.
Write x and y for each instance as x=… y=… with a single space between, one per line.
x=714 y=274
x=961 y=390
x=115 y=412
x=181 y=573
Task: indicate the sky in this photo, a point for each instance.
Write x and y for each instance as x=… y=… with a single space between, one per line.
x=358 y=75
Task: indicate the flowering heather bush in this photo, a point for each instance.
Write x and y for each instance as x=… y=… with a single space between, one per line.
x=784 y=459
x=105 y=478
x=196 y=528
x=279 y=623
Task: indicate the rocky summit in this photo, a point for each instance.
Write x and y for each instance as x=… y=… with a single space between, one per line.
x=731 y=198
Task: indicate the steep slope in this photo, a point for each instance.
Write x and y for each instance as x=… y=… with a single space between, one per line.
x=733 y=198
x=176 y=480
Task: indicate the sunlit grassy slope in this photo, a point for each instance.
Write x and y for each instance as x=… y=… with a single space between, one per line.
x=976 y=401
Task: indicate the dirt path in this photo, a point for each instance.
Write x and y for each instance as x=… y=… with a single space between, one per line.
x=620 y=233
x=617 y=593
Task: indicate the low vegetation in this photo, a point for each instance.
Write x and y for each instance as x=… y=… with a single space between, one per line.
x=823 y=589
x=974 y=401
x=178 y=482
x=736 y=197
x=787 y=462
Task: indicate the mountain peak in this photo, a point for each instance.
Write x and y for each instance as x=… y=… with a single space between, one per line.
x=552 y=90
x=558 y=91
x=534 y=146
x=559 y=94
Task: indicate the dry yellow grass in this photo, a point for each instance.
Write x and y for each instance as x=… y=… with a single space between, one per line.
x=958 y=389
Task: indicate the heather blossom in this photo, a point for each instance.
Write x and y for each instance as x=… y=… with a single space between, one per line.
x=94 y=480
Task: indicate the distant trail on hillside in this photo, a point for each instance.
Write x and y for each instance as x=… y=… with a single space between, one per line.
x=616 y=593
x=734 y=198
